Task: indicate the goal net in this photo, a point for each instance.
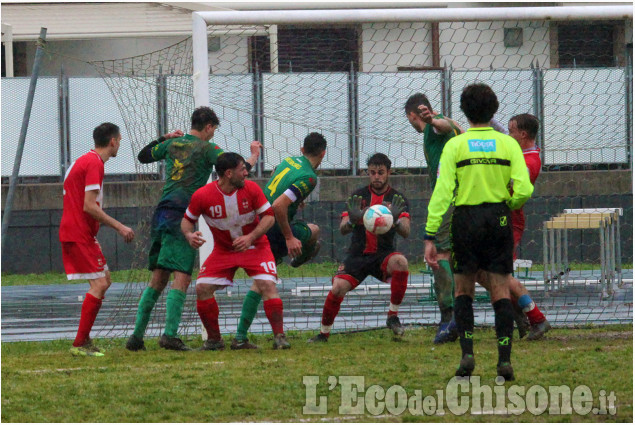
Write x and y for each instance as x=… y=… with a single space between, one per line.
x=275 y=77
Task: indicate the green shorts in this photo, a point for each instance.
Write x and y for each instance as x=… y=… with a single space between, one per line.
x=277 y=242
x=444 y=242
x=169 y=249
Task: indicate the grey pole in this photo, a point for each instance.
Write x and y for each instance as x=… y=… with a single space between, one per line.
x=25 y=125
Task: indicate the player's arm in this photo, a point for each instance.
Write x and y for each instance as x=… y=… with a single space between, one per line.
x=194 y=238
x=254 y=149
x=281 y=211
x=92 y=208
x=403 y=227
x=441 y=125
x=145 y=155
x=440 y=202
x=522 y=185
x=346 y=226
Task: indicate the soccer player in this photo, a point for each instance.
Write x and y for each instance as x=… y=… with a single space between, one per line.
x=189 y=161
x=290 y=184
x=480 y=164
x=371 y=254
x=82 y=214
x=524 y=128
x=437 y=130
x=231 y=207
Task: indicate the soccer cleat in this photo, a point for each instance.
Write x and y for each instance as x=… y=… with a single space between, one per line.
x=85 y=352
x=319 y=338
x=172 y=343
x=302 y=258
x=447 y=332
x=394 y=325
x=466 y=367
x=243 y=344
x=522 y=323
x=505 y=370
x=280 y=342
x=538 y=330
x=213 y=345
x=92 y=347
x=135 y=344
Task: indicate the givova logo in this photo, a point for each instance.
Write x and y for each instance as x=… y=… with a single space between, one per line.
x=478 y=145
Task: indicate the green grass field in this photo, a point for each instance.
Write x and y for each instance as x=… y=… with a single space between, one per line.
x=41 y=382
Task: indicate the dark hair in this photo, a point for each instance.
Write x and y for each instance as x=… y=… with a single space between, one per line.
x=314 y=144
x=202 y=116
x=479 y=103
x=227 y=161
x=416 y=100
x=104 y=132
x=379 y=159
x=528 y=123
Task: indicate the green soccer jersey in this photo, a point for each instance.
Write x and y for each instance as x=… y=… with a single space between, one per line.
x=433 y=144
x=296 y=178
x=189 y=162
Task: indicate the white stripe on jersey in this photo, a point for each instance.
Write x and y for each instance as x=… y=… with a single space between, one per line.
x=290 y=195
x=264 y=208
x=234 y=221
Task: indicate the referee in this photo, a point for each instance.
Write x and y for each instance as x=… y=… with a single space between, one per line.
x=480 y=163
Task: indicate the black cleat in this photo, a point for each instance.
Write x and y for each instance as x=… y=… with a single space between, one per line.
x=280 y=342
x=506 y=371
x=243 y=345
x=319 y=338
x=466 y=367
x=394 y=325
x=172 y=343
x=539 y=330
x=447 y=332
x=211 y=345
x=522 y=323
x=135 y=344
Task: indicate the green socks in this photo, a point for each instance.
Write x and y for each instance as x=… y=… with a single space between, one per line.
x=250 y=307
x=146 y=304
x=444 y=287
x=174 y=308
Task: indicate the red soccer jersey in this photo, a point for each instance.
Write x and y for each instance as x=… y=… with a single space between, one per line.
x=87 y=173
x=229 y=215
x=532 y=159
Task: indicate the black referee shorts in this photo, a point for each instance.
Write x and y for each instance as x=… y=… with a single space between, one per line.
x=482 y=239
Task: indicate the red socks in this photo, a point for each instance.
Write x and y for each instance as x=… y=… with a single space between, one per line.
x=398 y=284
x=535 y=316
x=273 y=310
x=331 y=308
x=90 y=308
x=208 y=312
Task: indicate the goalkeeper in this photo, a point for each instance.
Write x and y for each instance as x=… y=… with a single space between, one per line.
x=371 y=254
x=437 y=130
x=189 y=161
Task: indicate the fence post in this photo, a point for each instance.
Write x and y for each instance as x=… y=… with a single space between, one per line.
x=628 y=77
x=162 y=113
x=539 y=107
x=258 y=118
x=352 y=120
x=8 y=207
x=65 y=146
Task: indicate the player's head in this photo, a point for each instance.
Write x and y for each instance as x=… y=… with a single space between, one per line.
x=231 y=168
x=314 y=146
x=205 y=122
x=479 y=103
x=523 y=127
x=107 y=135
x=378 y=171
x=412 y=110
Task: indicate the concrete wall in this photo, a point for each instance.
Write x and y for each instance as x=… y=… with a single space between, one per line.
x=33 y=245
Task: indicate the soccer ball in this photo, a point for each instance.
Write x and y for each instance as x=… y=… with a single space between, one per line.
x=378 y=219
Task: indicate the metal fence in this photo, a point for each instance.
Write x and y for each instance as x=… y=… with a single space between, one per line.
x=586 y=115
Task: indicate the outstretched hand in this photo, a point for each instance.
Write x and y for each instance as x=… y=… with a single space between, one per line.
x=397 y=206
x=173 y=135
x=255 y=148
x=425 y=114
x=354 y=207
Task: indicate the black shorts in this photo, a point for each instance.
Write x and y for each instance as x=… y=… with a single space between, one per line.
x=482 y=239
x=356 y=268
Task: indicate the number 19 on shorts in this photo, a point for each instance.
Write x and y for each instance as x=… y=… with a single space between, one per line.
x=270 y=267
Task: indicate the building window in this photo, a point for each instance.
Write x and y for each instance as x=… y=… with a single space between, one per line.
x=582 y=44
x=309 y=50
